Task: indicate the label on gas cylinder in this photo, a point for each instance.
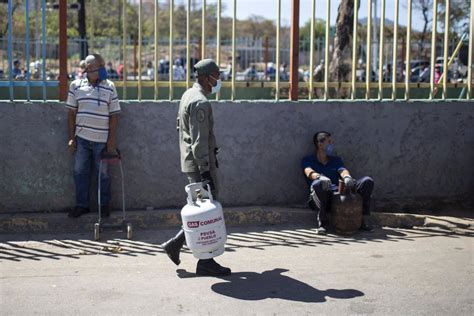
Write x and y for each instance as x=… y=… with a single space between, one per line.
x=207 y=238
x=197 y=224
x=207 y=232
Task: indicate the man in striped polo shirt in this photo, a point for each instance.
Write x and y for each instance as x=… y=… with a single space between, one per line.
x=93 y=105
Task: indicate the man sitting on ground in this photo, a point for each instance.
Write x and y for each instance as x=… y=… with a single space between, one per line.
x=323 y=171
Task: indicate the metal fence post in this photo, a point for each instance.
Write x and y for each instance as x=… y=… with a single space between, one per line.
x=326 y=50
x=311 y=51
x=381 y=49
x=140 y=40
x=43 y=31
x=234 y=31
x=218 y=41
x=408 y=53
x=155 y=69
x=203 y=30
x=294 y=54
x=188 y=43
x=170 y=71
x=124 y=48
x=27 y=51
x=354 y=50
x=368 y=51
x=277 y=52
x=433 y=48
x=446 y=50
x=471 y=48
x=63 y=77
x=394 y=57
x=10 y=49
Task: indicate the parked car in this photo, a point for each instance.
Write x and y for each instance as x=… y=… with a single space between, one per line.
x=419 y=63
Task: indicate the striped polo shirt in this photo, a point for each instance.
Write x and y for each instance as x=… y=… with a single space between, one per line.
x=94 y=106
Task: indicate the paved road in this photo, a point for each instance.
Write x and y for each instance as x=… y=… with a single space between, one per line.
x=277 y=271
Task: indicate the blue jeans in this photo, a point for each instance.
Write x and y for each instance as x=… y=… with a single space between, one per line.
x=88 y=152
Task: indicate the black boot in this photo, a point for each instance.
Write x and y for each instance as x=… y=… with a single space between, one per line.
x=78 y=211
x=366 y=225
x=173 y=246
x=211 y=268
x=105 y=210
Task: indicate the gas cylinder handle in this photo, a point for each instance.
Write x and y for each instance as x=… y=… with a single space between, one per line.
x=194 y=190
x=208 y=191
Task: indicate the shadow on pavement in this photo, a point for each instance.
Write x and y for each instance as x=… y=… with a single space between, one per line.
x=35 y=248
x=253 y=286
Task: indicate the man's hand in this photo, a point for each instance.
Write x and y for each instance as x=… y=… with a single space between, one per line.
x=72 y=145
x=207 y=179
x=111 y=149
x=325 y=182
x=349 y=182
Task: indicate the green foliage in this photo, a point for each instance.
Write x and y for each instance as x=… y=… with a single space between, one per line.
x=104 y=18
x=458 y=13
x=305 y=33
x=257 y=27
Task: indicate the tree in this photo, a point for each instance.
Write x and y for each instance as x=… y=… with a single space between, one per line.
x=4 y=14
x=257 y=27
x=458 y=13
x=341 y=64
x=458 y=16
x=426 y=7
x=305 y=33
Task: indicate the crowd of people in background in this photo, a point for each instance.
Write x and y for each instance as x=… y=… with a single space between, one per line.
x=256 y=71
x=34 y=72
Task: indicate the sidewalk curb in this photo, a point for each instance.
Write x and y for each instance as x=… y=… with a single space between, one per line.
x=39 y=222
x=403 y=220
x=235 y=216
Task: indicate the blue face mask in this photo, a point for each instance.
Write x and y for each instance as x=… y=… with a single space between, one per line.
x=102 y=73
x=329 y=149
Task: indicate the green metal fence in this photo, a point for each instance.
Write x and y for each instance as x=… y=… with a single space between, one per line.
x=378 y=83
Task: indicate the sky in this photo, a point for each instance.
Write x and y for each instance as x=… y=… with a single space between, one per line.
x=267 y=9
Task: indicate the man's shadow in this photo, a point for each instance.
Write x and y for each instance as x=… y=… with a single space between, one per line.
x=253 y=286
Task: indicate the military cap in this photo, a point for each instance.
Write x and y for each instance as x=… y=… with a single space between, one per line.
x=206 y=67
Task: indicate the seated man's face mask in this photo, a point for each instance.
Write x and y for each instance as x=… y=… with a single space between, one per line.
x=329 y=149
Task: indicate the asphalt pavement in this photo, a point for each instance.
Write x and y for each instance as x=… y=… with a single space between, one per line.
x=277 y=270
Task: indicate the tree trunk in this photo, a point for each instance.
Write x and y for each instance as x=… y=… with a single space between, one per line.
x=5 y=30
x=423 y=33
x=341 y=63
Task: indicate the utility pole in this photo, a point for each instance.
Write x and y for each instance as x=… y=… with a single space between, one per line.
x=294 y=50
x=81 y=19
x=63 y=75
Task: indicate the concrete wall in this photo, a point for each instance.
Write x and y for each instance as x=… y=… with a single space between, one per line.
x=417 y=152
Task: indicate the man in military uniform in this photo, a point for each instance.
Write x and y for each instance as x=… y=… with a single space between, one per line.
x=197 y=145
